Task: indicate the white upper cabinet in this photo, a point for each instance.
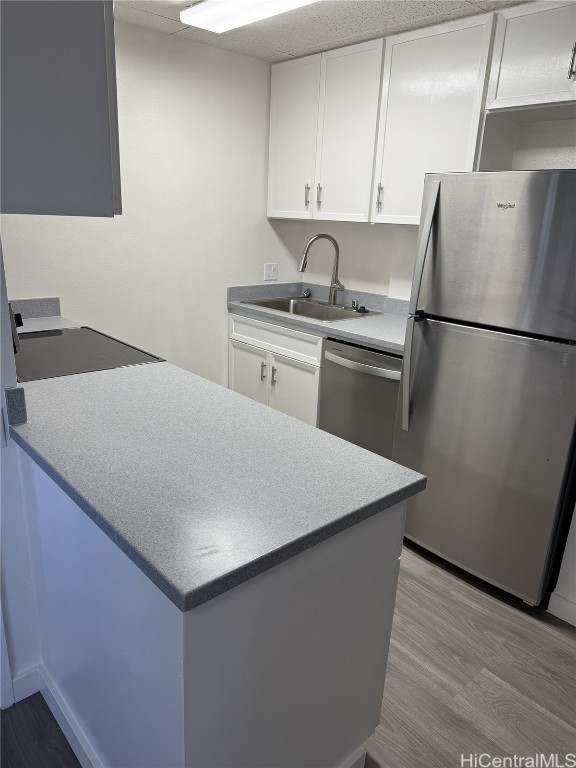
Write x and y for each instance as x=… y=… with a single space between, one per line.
x=59 y=117
x=533 y=61
x=293 y=128
x=349 y=90
x=324 y=110
x=432 y=94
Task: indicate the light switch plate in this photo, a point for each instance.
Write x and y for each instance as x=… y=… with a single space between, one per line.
x=270 y=271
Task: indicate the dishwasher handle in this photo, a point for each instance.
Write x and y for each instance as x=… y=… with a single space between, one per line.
x=372 y=370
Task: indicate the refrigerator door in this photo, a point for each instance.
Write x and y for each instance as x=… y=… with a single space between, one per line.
x=491 y=425
x=502 y=251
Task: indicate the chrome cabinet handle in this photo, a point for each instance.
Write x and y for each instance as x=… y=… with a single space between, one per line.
x=372 y=370
x=262 y=371
x=425 y=233
x=306 y=195
x=571 y=70
x=379 y=196
x=318 y=194
x=273 y=379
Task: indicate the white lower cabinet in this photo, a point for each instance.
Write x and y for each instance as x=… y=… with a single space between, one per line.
x=248 y=371
x=276 y=366
x=294 y=388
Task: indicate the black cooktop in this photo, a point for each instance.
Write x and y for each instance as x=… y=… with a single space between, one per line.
x=46 y=354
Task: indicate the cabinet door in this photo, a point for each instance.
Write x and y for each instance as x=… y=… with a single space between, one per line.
x=59 y=121
x=433 y=86
x=248 y=371
x=294 y=388
x=349 y=91
x=533 y=53
x=293 y=126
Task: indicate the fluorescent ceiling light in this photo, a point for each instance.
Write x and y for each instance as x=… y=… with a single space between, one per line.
x=222 y=15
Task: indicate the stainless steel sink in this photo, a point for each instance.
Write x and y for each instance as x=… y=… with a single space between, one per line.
x=317 y=310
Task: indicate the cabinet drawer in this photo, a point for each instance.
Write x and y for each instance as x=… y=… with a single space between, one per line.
x=275 y=338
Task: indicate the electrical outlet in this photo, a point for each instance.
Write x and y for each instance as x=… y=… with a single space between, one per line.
x=270 y=271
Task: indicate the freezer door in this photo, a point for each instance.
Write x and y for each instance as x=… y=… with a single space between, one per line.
x=502 y=251
x=491 y=424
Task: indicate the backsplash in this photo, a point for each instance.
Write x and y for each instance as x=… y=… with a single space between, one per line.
x=374 y=258
x=44 y=307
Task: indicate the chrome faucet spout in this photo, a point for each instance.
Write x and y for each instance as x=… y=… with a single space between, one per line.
x=335 y=284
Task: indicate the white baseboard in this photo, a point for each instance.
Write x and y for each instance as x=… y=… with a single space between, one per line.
x=71 y=728
x=563 y=607
x=37 y=679
x=26 y=684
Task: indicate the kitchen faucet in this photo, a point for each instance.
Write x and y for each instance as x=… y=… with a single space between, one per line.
x=335 y=284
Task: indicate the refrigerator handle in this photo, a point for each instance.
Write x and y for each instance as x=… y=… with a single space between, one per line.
x=434 y=187
x=406 y=374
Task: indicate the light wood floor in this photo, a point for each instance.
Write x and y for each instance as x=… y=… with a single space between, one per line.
x=470 y=672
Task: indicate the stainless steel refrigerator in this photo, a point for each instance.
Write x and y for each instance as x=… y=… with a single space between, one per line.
x=487 y=405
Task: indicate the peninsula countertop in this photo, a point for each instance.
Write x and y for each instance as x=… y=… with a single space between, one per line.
x=201 y=487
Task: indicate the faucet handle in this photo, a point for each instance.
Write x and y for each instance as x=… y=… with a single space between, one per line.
x=306 y=294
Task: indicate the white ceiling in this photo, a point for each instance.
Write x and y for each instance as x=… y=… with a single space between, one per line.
x=311 y=29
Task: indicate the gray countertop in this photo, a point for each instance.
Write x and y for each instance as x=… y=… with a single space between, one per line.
x=199 y=486
x=50 y=323
x=382 y=331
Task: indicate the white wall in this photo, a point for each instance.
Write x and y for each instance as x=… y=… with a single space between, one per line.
x=378 y=258
x=193 y=126
x=512 y=144
x=548 y=144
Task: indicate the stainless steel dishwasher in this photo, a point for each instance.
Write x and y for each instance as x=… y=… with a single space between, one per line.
x=358 y=395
